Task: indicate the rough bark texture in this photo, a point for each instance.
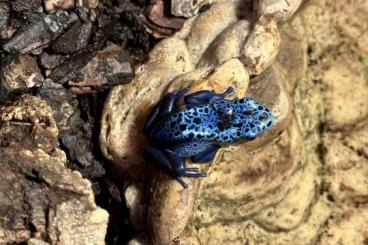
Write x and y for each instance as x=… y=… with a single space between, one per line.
x=41 y=200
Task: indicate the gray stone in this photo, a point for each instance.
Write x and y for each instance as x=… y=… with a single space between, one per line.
x=40 y=33
x=74 y=39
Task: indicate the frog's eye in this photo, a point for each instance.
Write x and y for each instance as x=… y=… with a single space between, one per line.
x=263 y=117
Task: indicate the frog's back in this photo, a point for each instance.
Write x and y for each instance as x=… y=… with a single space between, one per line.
x=193 y=123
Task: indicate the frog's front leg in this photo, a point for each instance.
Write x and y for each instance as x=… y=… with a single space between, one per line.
x=164 y=106
x=172 y=164
x=206 y=97
x=206 y=156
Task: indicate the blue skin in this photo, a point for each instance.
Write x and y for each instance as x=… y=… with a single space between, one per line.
x=198 y=130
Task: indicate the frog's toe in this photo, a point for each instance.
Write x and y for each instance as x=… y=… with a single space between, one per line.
x=192 y=169
x=195 y=175
x=181 y=181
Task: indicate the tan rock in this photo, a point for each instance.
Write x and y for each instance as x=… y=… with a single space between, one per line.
x=320 y=33
x=351 y=18
x=208 y=26
x=346 y=93
x=261 y=47
x=291 y=211
x=350 y=228
x=249 y=232
x=226 y=45
x=280 y=10
x=242 y=181
x=292 y=55
x=346 y=163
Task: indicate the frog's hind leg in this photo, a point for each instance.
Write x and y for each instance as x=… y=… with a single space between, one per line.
x=206 y=97
x=206 y=156
x=164 y=162
x=164 y=106
x=172 y=164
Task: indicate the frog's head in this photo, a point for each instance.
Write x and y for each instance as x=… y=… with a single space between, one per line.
x=250 y=118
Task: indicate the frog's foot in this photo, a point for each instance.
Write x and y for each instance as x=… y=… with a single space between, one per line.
x=164 y=106
x=207 y=155
x=172 y=164
x=206 y=97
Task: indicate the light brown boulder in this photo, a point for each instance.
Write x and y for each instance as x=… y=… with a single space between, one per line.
x=206 y=54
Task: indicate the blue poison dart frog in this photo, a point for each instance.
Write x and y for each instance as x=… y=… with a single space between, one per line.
x=207 y=122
